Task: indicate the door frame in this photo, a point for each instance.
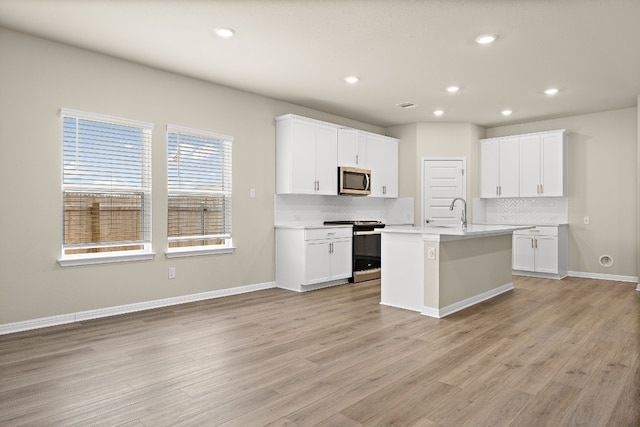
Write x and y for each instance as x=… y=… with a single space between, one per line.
x=423 y=164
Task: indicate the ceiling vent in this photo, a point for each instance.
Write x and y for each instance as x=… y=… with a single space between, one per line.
x=406 y=105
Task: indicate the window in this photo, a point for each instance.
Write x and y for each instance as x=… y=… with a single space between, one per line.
x=106 y=188
x=199 y=188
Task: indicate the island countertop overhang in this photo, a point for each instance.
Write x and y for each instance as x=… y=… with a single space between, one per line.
x=449 y=233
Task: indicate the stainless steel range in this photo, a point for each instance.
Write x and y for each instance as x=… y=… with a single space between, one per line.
x=366 y=248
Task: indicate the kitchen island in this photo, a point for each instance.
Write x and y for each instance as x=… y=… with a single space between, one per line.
x=440 y=270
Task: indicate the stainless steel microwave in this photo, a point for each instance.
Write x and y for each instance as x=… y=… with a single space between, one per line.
x=354 y=181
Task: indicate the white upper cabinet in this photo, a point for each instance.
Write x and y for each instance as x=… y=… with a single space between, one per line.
x=308 y=153
x=382 y=159
x=543 y=164
x=352 y=148
x=499 y=163
x=327 y=160
x=530 y=165
x=306 y=156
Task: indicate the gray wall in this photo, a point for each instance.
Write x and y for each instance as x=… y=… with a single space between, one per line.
x=37 y=78
x=419 y=140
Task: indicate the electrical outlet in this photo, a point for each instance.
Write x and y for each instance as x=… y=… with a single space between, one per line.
x=586 y=220
x=431 y=253
x=252 y=193
x=172 y=272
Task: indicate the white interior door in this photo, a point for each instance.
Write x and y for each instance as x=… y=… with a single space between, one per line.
x=443 y=180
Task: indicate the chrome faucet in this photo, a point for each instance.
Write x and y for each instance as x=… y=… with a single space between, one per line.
x=464 y=211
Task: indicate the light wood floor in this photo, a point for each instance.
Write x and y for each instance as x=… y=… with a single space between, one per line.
x=549 y=353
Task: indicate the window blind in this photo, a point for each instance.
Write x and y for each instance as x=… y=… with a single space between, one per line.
x=199 y=189
x=106 y=184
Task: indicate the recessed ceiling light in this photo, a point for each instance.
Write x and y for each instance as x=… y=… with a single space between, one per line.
x=506 y=112
x=486 y=39
x=352 y=79
x=551 y=91
x=225 y=33
x=438 y=112
x=453 y=89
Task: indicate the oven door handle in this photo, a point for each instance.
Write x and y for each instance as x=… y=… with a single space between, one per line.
x=366 y=233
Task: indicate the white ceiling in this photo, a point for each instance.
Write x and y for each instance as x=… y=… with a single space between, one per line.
x=402 y=50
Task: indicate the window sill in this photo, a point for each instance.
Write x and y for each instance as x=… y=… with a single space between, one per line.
x=176 y=253
x=71 y=261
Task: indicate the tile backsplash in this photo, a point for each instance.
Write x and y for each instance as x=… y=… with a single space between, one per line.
x=525 y=210
x=312 y=209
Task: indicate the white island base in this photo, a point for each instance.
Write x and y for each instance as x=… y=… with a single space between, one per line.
x=439 y=271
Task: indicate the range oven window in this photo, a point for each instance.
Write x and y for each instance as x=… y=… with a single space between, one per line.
x=366 y=250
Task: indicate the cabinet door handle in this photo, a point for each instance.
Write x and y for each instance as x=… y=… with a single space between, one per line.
x=500 y=190
x=536 y=243
x=331 y=247
x=541 y=189
x=356 y=159
x=497 y=194
x=532 y=243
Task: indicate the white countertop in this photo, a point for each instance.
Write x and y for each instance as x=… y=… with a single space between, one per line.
x=454 y=232
x=535 y=224
x=299 y=225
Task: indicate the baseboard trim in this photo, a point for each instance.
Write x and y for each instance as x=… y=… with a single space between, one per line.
x=9 y=328
x=613 y=277
x=539 y=275
x=461 y=305
x=399 y=306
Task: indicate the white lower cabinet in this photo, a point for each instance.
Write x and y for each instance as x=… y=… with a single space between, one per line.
x=311 y=258
x=327 y=260
x=541 y=251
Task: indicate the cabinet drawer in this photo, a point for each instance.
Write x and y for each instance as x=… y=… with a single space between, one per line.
x=546 y=230
x=327 y=233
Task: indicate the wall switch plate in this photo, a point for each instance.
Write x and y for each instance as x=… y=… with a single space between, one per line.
x=586 y=220
x=172 y=272
x=431 y=253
